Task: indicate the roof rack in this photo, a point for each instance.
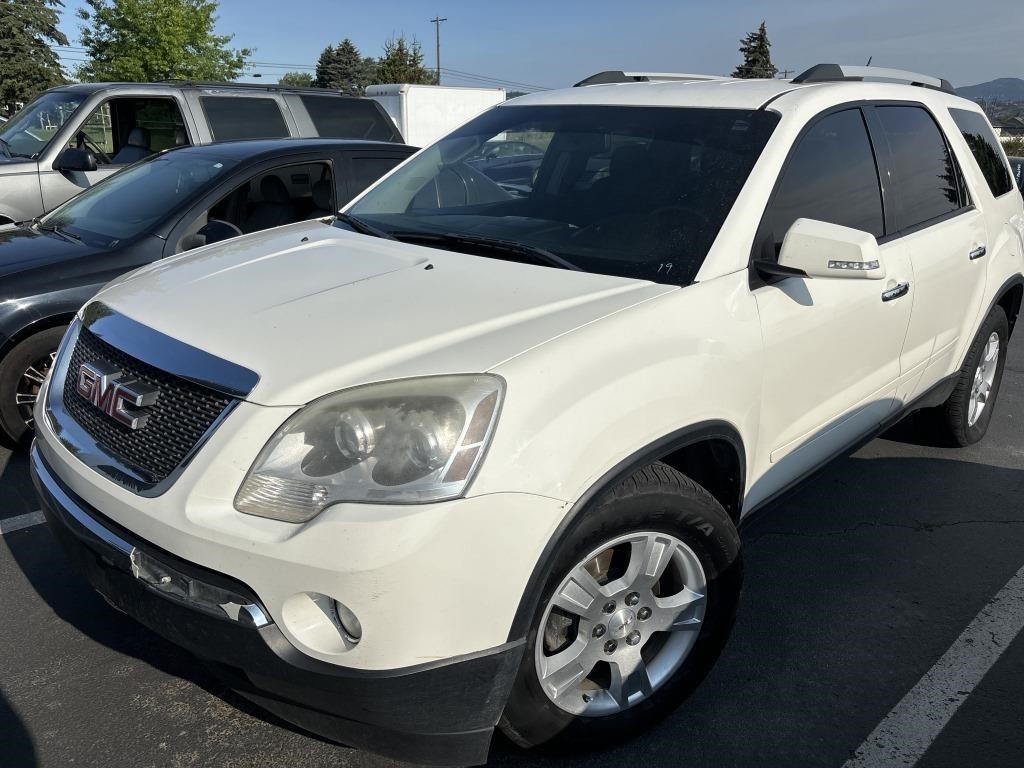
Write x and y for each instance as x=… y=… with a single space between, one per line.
x=831 y=73
x=249 y=86
x=618 y=76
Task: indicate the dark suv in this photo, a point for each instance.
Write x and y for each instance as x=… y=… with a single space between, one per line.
x=73 y=136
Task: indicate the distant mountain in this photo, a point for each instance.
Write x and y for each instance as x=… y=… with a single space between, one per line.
x=1002 y=89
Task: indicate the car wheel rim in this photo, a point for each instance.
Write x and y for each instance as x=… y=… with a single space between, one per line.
x=29 y=384
x=620 y=624
x=984 y=378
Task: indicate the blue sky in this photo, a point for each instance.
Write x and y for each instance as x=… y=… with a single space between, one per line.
x=555 y=43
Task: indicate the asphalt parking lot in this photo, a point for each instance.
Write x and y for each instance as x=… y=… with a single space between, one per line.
x=858 y=587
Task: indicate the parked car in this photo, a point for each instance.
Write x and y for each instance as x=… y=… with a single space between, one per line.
x=512 y=164
x=73 y=136
x=166 y=204
x=473 y=459
x=1017 y=166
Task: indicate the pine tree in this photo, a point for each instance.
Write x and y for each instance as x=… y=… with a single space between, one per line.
x=402 y=62
x=27 y=63
x=757 y=57
x=343 y=68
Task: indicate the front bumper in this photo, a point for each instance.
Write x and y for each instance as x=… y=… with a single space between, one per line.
x=442 y=713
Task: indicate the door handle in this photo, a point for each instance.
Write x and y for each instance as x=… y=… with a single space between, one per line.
x=896 y=292
x=977 y=253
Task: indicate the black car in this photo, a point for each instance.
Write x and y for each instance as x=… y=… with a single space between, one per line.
x=165 y=204
x=1017 y=165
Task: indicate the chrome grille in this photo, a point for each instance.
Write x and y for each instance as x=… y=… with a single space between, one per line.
x=184 y=412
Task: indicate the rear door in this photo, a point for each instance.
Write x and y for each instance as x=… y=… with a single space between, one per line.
x=832 y=346
x=945 y=235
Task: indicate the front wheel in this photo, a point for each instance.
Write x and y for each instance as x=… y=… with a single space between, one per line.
x=22 y=373
x=638 y=603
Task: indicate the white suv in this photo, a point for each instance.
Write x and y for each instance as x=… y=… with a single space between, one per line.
x=476 y=454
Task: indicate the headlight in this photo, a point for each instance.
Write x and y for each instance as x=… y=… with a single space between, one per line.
x=401 y=442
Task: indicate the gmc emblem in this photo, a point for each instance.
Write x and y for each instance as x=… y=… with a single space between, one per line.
x=100 y=383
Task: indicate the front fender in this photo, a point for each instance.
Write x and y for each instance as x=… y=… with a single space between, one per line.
x=22 y=317
x=579 y=405
x=21 y=197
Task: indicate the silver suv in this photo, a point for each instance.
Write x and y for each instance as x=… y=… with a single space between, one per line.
x=73 y=136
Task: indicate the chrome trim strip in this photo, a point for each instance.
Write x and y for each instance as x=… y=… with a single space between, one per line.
x=168 y=354
x=60 y=498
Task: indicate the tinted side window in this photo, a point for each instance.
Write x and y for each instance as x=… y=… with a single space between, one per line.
x=366 y=170
x=925 y=179
x=233 y=118
x=338 y=118
x=831 y=176
x=985 y=148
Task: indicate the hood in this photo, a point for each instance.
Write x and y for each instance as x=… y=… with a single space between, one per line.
x=23 y=249
x=313 y=309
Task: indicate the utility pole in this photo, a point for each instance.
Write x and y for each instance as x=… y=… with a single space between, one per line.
x=436 y=21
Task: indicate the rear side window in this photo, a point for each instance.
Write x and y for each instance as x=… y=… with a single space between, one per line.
x=234 y=118
x=366 y=170
x=339 y=118
x=926 y=180
x=831 y=176
x=985 y=148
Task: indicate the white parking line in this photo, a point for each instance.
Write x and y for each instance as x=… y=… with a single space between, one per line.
x=910 y=728
x=21 y=521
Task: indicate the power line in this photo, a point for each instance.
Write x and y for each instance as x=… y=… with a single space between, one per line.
x=494 y=80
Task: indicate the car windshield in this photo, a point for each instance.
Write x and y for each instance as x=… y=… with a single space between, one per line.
x=130 y=203
x=30 y=130
x=637 y=192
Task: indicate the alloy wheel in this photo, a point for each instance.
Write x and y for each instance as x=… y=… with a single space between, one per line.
x=620 y=624
x=984 y=377
x=29 y=385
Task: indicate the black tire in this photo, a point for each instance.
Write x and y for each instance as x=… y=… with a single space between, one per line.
x=13 y=429
x=656 y=498
x=953 y=417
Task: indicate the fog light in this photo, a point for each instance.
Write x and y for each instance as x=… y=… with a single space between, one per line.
x=349 y=623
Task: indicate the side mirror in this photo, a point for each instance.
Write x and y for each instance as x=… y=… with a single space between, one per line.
x=74 y=159
x=819 y=249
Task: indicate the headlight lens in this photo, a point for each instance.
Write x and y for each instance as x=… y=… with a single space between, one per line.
x=401 y=442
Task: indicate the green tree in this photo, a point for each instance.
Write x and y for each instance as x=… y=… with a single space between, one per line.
x=147 y=40
x=342 y=68
x=27 y=63
x=296 y=79
x=757 y=57
x=402 y=62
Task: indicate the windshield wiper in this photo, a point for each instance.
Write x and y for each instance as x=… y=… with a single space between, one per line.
x=533 y=253
x=363 y=227
x=59 y=231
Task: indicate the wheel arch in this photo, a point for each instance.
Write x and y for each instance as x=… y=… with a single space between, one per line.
x=32 y=328
x=1009 y=298
x=695 y=451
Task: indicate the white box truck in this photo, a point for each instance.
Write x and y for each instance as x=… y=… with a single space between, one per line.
x=425 y=113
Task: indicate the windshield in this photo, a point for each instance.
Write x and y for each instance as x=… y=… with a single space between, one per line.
x=132 y=202
x=30 y=130
x=637 y=192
